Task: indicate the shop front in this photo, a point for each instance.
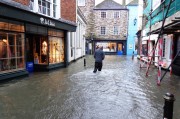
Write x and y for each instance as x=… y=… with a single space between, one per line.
x=112 y=47
x=45 y=47
x=31 y=43
x=12 y=56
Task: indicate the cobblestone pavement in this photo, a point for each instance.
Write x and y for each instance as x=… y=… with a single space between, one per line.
x=119 y=91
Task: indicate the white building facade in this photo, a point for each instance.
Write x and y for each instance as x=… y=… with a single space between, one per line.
x=76 y=40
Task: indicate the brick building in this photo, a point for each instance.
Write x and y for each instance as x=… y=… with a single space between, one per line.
x=34 y=35
x=107 y=25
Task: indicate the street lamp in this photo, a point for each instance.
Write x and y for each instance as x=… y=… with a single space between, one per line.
x=135 y=21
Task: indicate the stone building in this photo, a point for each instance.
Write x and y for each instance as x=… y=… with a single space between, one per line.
x=107 y=25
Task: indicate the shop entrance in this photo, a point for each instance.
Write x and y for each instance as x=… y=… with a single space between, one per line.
x=120 y=48
x=36 y=49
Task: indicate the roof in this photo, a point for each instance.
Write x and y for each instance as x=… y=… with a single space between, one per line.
x=109 y=5
x=79 y=12
x=132 y=3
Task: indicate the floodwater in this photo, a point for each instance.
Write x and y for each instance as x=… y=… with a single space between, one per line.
x=119 y=91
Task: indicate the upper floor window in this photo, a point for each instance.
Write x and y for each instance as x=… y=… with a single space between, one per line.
x=31 y=5
x=44 y=7
x=116 y=31
x=116 y=15
x=103 y=14
x=54 y=8
x=81 y=2
x=103 y=30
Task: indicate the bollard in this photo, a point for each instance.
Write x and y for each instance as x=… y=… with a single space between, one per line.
x=84 y=62
x=168 y=106
x=133 y=55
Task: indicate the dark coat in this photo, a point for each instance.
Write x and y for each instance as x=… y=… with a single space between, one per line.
x=99 y=55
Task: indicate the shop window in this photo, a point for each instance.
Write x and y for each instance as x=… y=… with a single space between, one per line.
x=108 y=46
x=56 y=50
x=11 y=51
x=53 y=32
x=11 y=25
x=31 y=5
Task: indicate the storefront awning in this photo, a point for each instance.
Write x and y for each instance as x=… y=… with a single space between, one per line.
x=27 y=16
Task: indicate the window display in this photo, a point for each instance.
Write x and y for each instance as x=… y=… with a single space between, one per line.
x=40 y=50
x=108 y=46
x=56 y=50
x=12 y=51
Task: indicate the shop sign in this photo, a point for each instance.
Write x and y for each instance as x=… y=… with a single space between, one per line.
x=47 y=22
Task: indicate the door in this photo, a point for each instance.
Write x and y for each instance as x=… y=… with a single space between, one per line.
x=120 y=47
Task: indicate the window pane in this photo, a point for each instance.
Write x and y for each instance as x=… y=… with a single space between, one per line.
x=103 y=14
x=81 y=2
x=11 y=48
x=103 y=30
x=44 y=10
x=54 y=14
x=39 y=2
x=115 y=30
x=56 y=50
x=40 y=9
x=116 y=14
x=48 y=12
x=13 y=63
x=20 y=63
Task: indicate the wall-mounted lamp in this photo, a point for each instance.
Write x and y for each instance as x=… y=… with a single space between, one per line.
x=135 y=21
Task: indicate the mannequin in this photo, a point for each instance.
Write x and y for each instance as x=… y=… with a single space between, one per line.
x=44 y=48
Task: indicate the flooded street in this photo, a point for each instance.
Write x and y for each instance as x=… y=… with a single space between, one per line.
x=119 y=91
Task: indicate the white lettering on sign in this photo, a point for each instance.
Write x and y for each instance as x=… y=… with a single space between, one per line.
x=47 y=22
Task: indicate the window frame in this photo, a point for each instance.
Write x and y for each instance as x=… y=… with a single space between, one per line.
x=81 y=2
x=116 y=30
x=103 y=30
x=103 y=14
x=116 y=14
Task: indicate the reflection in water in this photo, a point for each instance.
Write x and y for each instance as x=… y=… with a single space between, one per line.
x=119 y=91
